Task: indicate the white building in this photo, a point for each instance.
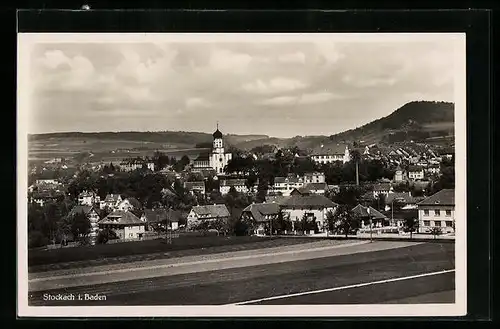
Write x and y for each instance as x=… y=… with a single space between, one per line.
x=86 y=198
x=324 y=156
x=314 y=177
x=217 y=159
x=134 y=164
x=438 y=210
x=208 y=213
x=415 y=172
x=238 y=184
x=285 y=185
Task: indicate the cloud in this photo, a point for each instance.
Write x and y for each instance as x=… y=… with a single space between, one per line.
x=364 y=82
x=276 y=85
x=320 y=97
x=225 y=60
x=293 y=58
x=279 y=101
x=197 y=102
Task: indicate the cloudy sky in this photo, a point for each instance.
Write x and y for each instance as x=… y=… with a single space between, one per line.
x=283 y=89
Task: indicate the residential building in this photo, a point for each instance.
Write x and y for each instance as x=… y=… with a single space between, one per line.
x=198 y=186
x=285 y=185
x=400 y=175
x=239 y=185
x=199 y=214
x=331 y=154
x=125 y=224
x=370 y=218
x=88 y=198
x=314 y=206
x=401 y=200
x=91 y=213
x=382 y=188
x=261 y=214
x=129 y=204
x=438 y=210
x=433 y=169
x=218 y=158
x=415 y=172
x=314 y=177
x=111 y=201
x=161 y=217
x=317 y=188
x=137 y=163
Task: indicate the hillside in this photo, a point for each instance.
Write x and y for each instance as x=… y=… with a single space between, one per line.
x=420 y=120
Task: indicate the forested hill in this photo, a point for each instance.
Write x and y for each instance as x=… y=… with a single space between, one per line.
x=422 y=119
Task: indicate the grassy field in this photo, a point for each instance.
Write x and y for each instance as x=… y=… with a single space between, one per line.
x=45 y=260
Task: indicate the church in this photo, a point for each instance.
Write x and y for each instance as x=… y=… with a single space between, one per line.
x=217 y=159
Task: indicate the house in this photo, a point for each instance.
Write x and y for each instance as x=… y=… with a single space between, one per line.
x=382 y=188
x=86 y=198
x=367 y=214
x=239 y=185
x=331 y=154
x=314 y=206
x=317 y=188
x=402 y=200
x=261 y=214
x=199 y=214
x=314 y=177
x=415 y=172
x=129 y=204
x=433 y=169
x=161 y=217
x=198 y=186
x=42 y=197
x=285 y=185
x=91 y=213
x=137 y=163
x=125 y=224
x=111 y=201
x=400 y=175
x=438 y=210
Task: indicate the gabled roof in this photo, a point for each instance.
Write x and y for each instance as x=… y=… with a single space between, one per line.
x=197 y=184
x=310 y=200
x=80 y=209
x=278 y=199
x=400 y=196
x=133 y=202
x=123 y=218
x=233 y=182
x=362 y=211
x=381 y=187
x=444 y=197
x=215 y=210
x=160 y=215
x=259 y=210
x=415 y=168
x=112 y=198
x=316 y=186
x=337 y=149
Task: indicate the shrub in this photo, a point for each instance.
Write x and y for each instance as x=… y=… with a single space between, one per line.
x=105 y=235
x=36 y=239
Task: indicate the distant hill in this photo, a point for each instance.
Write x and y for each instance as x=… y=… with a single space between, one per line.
x=420 y=120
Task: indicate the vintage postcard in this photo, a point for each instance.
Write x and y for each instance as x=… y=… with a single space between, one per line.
x=222 y=175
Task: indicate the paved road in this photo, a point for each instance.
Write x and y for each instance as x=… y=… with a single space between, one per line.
x=243 y=284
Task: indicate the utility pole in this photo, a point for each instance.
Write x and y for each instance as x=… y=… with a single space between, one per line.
x=371 y=230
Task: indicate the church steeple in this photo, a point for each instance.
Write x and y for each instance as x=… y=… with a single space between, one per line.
x=217 y=134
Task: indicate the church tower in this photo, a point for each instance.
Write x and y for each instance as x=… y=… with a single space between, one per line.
x=219 y=159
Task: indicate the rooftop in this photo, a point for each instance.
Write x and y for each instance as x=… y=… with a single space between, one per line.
x=216 y=210
x=121 y=217
x=362 y=211
x=259 y=210
x=308 y=200
x=443 y=197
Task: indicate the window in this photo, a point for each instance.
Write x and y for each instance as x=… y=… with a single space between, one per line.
x=449 y=223
x=437 y=223
x=448 y=213
x=427 y=223
x=426 y=212
x=436 y=212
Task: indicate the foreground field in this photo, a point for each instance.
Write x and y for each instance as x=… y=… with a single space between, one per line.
x=359 y=274
x=45 y=260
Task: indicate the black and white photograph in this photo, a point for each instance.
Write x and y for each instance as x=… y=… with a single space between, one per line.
x=178 y=174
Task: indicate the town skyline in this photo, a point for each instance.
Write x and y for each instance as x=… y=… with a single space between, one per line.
x=302 y=87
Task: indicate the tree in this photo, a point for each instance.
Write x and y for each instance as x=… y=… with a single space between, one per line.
x=80 y=227
x=356 y=158
x=262 y=189
x=410 y=225
x=343 y=221
x=105 y=235
x=436 y=231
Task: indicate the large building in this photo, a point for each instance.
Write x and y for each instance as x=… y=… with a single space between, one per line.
x=331 y=154
x=438 y=210
x=218 y=157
